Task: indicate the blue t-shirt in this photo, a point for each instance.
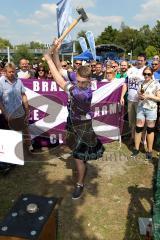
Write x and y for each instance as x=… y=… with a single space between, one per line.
x=11 y=97
x=157 y=75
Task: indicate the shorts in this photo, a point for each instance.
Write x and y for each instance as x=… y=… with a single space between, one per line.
x=146 y=114
x=132 y=112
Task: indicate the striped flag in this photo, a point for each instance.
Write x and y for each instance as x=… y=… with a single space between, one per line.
x=63 y=17
x=91 y=41
x=83 y=44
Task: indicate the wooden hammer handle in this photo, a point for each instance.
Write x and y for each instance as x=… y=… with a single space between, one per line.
x=73 y=24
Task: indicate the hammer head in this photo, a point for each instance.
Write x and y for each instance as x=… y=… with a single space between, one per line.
x=82 y=14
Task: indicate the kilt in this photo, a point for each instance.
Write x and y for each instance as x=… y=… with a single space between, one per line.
x=83 y=141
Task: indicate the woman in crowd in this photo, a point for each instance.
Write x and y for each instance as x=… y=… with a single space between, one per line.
x=109 y=75
x=41 y=73
x=149 y=95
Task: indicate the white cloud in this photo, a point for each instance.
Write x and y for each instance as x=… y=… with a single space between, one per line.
x=83 y=3
x=97 y=24
x=149 y=11
x=44 y=19
x=3 y=20
x=27 y=21
x=45 y=12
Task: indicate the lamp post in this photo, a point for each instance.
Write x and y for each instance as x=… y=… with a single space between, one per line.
x=8 y=54
x=131 y=48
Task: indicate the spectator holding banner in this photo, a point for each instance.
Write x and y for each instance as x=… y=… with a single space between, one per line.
x=41 y=72
x=109 y=75
x=123 y=70
x=79 y=124
x=24 y=71
x=14 y=104
x=98 y=74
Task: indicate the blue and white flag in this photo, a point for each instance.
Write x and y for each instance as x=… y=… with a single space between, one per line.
x=64 y=17
x=83 y=44
x=91 y=41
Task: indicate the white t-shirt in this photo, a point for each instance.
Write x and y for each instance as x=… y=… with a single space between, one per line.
x=22 y=74
x=150 y=88
x=135 y=77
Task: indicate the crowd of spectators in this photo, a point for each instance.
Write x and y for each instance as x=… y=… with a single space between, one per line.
x=142 y=105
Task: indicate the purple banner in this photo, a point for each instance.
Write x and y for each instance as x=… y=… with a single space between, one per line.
x=48 y=111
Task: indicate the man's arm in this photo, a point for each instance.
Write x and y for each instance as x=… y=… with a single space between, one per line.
x=124 y=90
x=55 y=57
x=54 y=52
x=55 y=72
x=2 y=108
x=25 y=104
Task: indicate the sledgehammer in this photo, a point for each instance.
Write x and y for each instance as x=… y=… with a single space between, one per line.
x=83 y=17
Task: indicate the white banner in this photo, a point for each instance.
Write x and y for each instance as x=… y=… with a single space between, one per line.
x=91 y=41
x=11 y=147
x=83 y=44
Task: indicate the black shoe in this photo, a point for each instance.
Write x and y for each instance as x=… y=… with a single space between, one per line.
x=77 y=192
x=5 y=168
x=134 y=153
x=148 y=156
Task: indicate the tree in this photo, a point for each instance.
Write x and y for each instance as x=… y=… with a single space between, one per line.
x=155 y=36
x=36 y=45
x=108 y=36
x=127 y=38
x=4 y=43
x=22 y=51
x=150 y=51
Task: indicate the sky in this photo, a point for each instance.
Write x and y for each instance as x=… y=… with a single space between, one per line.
x=23 y=21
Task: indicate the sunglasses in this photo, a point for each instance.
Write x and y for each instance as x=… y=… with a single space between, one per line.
x=41 y=70
x=147 y=74
x=154 y=64
x=78 y=63
x=93 y=65
x=108 y=72
x=82 y=82
x=114 y=66
x=64 y=65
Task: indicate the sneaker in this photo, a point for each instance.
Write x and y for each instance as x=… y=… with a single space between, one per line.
x=134 y=153
x=148 y=156
x=77 y=192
